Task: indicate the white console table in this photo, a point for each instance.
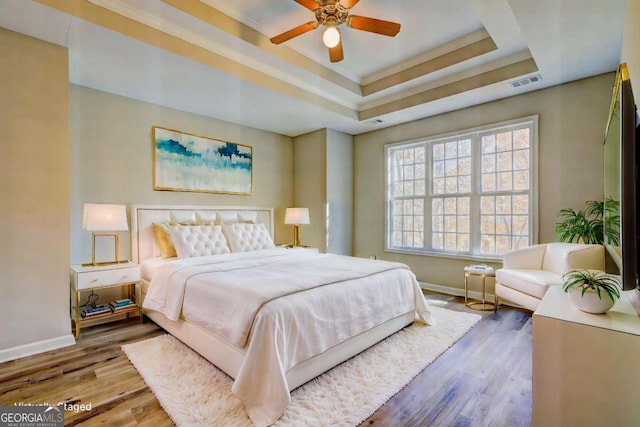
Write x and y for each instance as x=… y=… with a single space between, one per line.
x=586 y=367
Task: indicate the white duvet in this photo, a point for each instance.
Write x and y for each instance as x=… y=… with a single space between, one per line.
x=283 y=307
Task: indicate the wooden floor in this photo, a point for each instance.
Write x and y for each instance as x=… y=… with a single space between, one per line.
x=482 y=380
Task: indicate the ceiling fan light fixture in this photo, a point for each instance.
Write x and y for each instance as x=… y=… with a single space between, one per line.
x=331 y=14
x=331 y=36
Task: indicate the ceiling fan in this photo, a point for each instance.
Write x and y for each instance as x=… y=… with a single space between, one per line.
x=331 y=14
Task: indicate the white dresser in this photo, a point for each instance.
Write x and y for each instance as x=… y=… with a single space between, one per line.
x=586 y=367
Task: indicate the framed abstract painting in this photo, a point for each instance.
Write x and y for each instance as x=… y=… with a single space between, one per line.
x=188 y=162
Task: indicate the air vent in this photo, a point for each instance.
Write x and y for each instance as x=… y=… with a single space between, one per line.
x=526 y=81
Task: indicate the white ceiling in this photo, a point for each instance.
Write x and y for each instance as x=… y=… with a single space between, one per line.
x=567 y=39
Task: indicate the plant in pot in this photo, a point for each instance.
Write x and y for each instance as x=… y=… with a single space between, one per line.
x=591 y=291
x=591 y=224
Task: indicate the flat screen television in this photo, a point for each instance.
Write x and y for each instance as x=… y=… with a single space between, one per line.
x=621 y=186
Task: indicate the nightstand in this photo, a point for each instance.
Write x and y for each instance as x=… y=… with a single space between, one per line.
x=91 y=278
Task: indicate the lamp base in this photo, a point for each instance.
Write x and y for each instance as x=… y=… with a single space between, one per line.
x=296 y=235
x=116 y=260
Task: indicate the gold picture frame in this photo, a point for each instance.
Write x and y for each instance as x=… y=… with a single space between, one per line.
x=189 y=162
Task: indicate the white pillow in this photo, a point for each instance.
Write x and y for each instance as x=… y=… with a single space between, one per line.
x=243 y=237
x=198 y=240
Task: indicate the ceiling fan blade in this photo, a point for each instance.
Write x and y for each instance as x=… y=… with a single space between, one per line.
x=294 y=32
x=378 y=26
x=335 y=53
x=349 y=3
x=309 y=4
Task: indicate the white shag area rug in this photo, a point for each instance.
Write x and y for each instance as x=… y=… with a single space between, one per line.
x=196 y=393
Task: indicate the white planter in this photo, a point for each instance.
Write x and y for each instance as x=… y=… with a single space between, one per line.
x=590 y=302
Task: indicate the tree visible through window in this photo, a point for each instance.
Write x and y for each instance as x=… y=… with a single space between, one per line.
x=470 y=193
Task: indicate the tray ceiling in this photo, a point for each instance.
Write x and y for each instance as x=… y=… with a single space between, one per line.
x=214 y=58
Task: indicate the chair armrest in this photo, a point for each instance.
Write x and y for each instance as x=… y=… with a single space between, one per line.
x=529 y=258
x=590 y=257
x=563 y=257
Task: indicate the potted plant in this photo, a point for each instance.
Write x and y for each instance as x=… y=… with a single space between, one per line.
x=591 y=291
x=591 y=224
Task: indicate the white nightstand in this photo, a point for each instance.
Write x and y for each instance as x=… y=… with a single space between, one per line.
x=91 y=278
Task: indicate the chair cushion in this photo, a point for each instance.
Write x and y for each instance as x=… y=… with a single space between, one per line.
x=530 y=282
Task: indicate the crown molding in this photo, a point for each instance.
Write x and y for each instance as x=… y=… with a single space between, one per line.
x=494 y=72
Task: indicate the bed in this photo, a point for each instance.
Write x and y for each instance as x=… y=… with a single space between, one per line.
x=271 y=318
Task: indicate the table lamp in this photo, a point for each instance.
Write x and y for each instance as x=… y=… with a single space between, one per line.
x=103 y=217
x=296 y=217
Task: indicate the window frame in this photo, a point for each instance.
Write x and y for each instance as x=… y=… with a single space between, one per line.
x=475 y=194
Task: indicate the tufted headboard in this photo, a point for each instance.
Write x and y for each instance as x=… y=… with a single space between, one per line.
x=143 y=244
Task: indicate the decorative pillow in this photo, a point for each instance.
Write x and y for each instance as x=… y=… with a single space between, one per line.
x=163 y=239
x=243 y=237
x=198 y=240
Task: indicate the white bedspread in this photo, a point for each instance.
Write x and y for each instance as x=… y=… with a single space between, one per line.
x=284 y=307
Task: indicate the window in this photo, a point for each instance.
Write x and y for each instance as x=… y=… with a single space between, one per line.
x=471 y=193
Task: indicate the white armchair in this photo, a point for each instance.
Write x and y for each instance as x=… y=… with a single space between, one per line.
x=527 y=273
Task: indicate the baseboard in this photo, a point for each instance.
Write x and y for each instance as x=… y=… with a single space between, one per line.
x=453 y=291
x=460 y=293
x=36 y=347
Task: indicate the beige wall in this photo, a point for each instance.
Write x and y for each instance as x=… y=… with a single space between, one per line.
x=34 y=202
x=340 y=192
x=111 y=161
x=323 y=176
x=572 y=118
x=310 y=186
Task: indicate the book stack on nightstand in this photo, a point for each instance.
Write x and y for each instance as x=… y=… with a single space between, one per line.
x=95 y=312
x=122 y=305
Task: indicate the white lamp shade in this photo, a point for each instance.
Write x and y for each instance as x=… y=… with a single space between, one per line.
x=331 y=37
x=297 y=216
x=103 y=217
